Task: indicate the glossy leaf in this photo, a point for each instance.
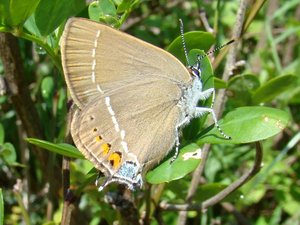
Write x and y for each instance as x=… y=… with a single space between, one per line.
x=14 y=13
x=50 y=14
x=246 y=125
x=273 y=88
x=62 y=149
x=30 y=25
x=167 y=172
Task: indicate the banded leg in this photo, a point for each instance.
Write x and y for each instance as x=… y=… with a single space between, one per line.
x=199 y=111
x=177 y=143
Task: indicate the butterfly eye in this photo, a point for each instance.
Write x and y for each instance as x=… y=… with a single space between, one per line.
x=195 y=70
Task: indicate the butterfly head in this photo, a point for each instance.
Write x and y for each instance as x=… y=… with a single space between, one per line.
x=195 y=70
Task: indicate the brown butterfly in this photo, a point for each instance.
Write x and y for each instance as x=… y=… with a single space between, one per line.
x=132 y=98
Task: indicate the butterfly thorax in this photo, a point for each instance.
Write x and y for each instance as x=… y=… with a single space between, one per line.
x=189 y=100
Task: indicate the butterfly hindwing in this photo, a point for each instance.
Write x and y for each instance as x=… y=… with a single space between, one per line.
x=143 y=118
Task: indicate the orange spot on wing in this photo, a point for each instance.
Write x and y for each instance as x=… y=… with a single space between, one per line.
x=98 y=138
x=105 y=148
x=115 y=159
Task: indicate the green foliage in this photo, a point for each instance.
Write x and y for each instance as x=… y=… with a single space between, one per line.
x=50 y=14
x=187 y=161
x=13 y=13
x=273 y=88
x=62 y=148
x=262 y=105
x=248 y=124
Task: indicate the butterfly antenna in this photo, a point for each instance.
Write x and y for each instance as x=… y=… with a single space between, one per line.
x=214 y=50
x=183 y=42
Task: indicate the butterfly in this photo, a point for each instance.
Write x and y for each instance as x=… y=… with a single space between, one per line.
x=132 y=98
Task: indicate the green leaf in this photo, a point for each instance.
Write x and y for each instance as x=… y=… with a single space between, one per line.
x=50 y=14
x=104 y=11
x=62 y=148
x=194 y=40
x=124 y=6
x=8 y=153
x=1 y=208
x=14 y=13
x=110 y=20
x=273 y=88
x=246 y=125
x=187 y=161
x=2 y=134
x=31 y=26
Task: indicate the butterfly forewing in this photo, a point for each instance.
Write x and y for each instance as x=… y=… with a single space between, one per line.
x=103 y=59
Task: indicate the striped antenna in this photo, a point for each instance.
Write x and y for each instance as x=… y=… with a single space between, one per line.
x=183 y=42
x=202 y=56
x=214 y=50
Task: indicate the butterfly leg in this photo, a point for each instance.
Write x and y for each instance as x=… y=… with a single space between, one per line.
x=199 y=111
x=206 y=94
x=105 y=183
x=177 y=143
x=202 y=110
x=97 y=179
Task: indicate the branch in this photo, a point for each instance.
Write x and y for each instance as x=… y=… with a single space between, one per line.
x=69 y=198
x=70 y=213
